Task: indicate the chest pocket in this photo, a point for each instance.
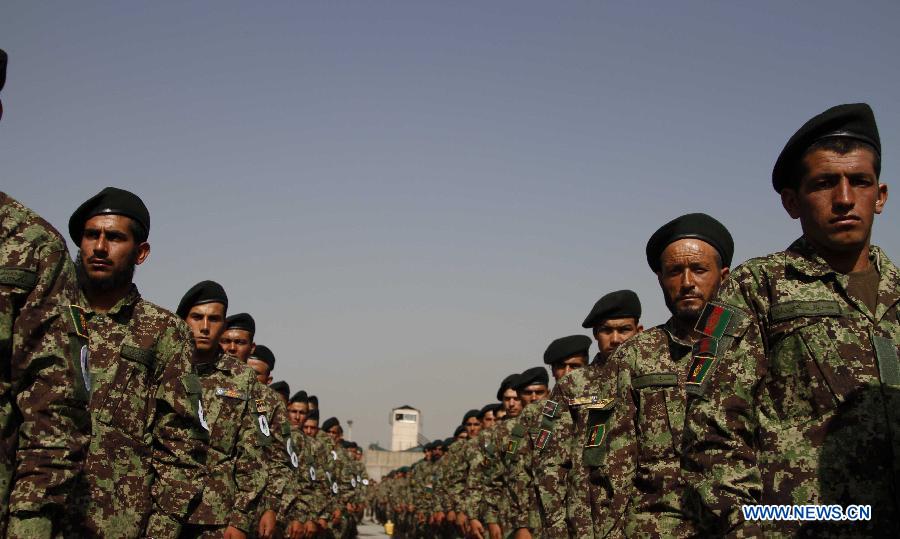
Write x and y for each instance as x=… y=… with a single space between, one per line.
x=596 y=441
x=128 y=399
x=804 y=379
x=660 y=415
x=225 y=419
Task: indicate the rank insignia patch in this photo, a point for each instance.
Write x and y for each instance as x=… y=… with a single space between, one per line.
x=595 y=436
x=231 y=393
x=261 y=407
x=264 y=426
x=550 y=408
x=542 y=439
x=714 y=321
x=79 y=319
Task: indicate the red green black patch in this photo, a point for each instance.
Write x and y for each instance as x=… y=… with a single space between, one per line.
x=542 y=439
x=595 y=436
x=550 y=408
x=699 y=367
x=714 y=321
x=79 y=319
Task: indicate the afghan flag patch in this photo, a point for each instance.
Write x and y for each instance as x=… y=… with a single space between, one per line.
x=714 y=321
x=512 y=445
x=542 y=438
x=595 y=435
x=550 y=408
x=700 y=366
x=79 y=319
x=706 y=346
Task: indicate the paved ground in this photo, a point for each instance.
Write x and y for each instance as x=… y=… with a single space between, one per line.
x=370 y=529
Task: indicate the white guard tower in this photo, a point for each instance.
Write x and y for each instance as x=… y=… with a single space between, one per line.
x=405 y=423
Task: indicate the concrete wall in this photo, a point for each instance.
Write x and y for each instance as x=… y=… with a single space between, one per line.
x=379 y=463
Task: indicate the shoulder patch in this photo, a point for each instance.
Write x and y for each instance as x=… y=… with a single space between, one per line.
x=261 y=407
x=595 y=435
x=79 y=320
x=714 y=320
x=542 y=438
x=792 y=309
x=550 y=408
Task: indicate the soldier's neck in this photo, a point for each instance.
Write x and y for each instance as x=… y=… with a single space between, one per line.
x=843 y=261
x=205 y=357
x=102 y=301
x=684 y=330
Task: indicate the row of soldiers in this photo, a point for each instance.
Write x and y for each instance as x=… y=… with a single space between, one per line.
x=121 y=419
x=776 y=382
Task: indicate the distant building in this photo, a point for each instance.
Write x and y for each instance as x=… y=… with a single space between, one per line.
x=406 y=422
x=380 y=461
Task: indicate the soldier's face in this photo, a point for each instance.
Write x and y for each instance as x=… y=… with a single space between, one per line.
x=237 y=342
x=473 y=426
x=689 y=277
x=836 y=202
x=488 y=421
x=511 y=403
x=297 y=413
x=611 y=333
x=335 y=434
x=564 y=367
x=261 y=368
x=108 y=251
x=207 y=321
x=310 y=427
x=529 y=394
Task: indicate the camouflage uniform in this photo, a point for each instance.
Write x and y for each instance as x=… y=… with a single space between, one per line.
x=146 y=459
x=552 y=466
x=44 y=423
x=587 y=397
x=313 y=493
x=645 y=462
x=235 y=477
x=799 y=392
x=273 y=432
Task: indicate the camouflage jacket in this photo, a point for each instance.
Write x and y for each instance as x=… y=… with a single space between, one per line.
x=235 y=477
x=147 y=455
x=652 y=369
x=587 y=397
x=311 y=495
x=273 y=432
x=799 y=395
x=44 y=423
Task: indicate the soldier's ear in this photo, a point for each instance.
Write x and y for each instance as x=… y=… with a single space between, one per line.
x=640 y=328
x=790 y=202
x=143 y=251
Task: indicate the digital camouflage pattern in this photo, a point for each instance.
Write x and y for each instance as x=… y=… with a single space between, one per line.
x=272 y=432
x=311 y=496
x=44 y=424
x=652 y=369
x=800 y=403
x=534 y=426
x=552 y=464
x=146 y=459
x=588 y=395
x=234 y=480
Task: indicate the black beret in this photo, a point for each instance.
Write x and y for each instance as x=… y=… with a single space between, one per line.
x=313 y=414
x=445 y=443
x=300 y=396
x=3 y=59
x=200 y=293
x=262 y=353
x=281 y=387
x=506 y=384
x=854 y=120
x=110 y=201
x=618 y=304
x=346 y=444
x=330 y=423
x=493 y=407
x=693 y=225
x=469 y=415
x=241 y=321
x=459 y=430
x=314 y=400
x=532 y=377
x=566 y=347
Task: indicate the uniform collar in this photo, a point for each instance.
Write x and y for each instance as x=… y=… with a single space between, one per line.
x=128 y=301
x=669 y=328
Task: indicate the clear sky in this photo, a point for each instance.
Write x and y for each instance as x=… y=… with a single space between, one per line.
x=414 y=198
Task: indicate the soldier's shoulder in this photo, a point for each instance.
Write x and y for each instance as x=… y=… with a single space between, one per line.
x=159 y=316
x=22 y=225
x=239 y=369
x=572 y=381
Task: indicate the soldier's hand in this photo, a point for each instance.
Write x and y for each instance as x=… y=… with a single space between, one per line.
x=311 y=529
x=522 y=533
x=336 y=517
x=439 y=517
x=323 y=524
x=267 y=525
x=476 y=529
x=462 y=522
x=451 y=517
x=495 y=531
x=295 y=530
x=233 y=533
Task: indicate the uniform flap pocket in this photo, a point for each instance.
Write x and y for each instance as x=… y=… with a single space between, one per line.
x=18 y=277
x=888 y=362
x=657 y=379
x=191 y=384
x=518 y=431
x=144 y=356
x=794 y=309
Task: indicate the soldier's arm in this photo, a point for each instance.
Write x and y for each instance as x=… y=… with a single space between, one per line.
x=552 y=465
x=249 y=468
x=279 y=472
x=518 y=485
x=494 y=486
x=178 y=437
x=52 y=398
x=721 y=424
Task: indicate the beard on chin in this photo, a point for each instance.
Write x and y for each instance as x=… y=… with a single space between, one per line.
x=102 y=284
x=685 y=314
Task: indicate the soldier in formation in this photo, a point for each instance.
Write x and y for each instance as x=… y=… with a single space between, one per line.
x=777 y=382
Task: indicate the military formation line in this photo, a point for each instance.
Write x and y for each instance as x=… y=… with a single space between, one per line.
x=775 y=382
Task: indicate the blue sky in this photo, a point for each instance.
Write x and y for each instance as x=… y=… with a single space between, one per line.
x=415 y=198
